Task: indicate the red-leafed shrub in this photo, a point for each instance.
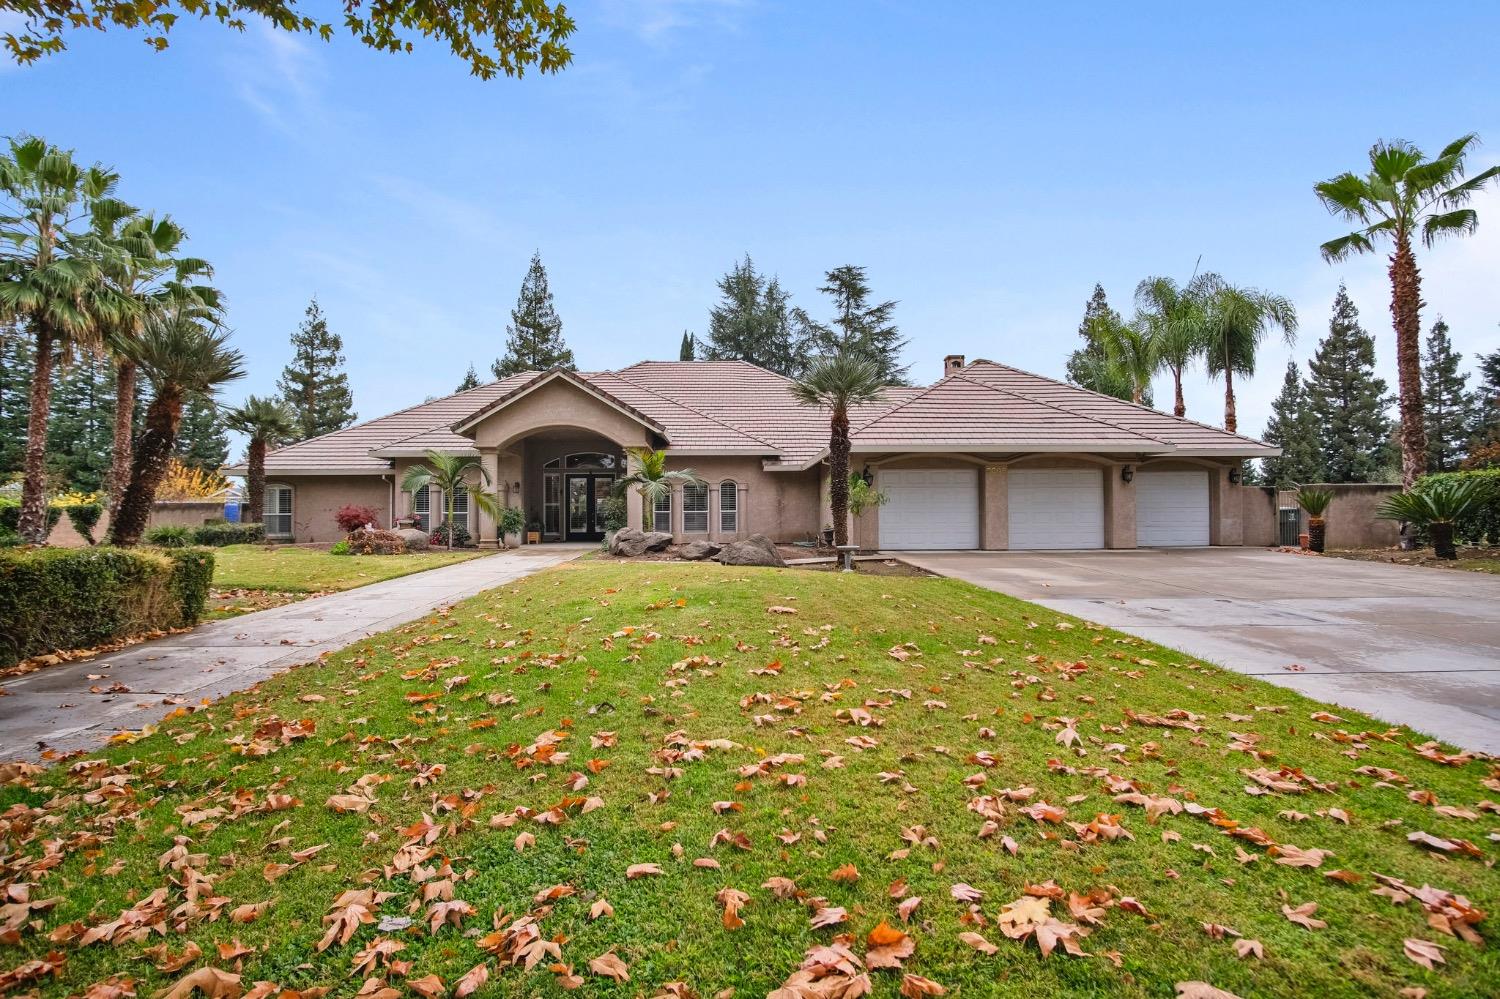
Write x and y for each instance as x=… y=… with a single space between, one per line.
x=352 y=517
x=376 y=543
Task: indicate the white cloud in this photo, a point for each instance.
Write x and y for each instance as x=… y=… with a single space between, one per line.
x=655 y=21
x=276 y=73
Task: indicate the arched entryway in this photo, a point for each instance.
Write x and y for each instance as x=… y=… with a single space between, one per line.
x=568 y=475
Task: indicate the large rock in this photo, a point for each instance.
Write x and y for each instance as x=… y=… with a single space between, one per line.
x=630 y=542
x=757 y=549
x=416 y=541
x=697 y=551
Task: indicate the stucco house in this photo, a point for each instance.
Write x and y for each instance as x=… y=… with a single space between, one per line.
x=988 y=457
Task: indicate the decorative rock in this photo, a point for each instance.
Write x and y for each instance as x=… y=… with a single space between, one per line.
x=697 y=551
x=757 y=549
x=629 y=542
x=416 y=541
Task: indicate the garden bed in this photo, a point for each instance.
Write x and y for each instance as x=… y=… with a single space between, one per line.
x=1470 y=559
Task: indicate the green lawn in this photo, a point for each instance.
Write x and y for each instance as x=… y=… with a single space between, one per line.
x=507 y=764
x=252 y=577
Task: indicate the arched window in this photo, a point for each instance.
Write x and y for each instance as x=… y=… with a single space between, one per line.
x=695 y=508
x=729 y=507
x=277 y=515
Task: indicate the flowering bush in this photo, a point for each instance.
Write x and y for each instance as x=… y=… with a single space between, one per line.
x=352 y=517
x=439 y=536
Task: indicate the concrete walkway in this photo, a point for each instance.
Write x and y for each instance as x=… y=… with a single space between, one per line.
x=53 y=707
x=1407 y=644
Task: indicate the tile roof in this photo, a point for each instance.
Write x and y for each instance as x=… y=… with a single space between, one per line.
x=736 y=407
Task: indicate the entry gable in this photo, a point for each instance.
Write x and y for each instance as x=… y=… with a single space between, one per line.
x=559 y=398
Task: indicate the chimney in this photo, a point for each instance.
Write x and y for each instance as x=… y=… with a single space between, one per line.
x=952 y=364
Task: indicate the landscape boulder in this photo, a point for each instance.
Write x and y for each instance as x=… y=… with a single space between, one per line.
x=697 y=551
x=629 y=542
x=416 y=541
x=757 y=549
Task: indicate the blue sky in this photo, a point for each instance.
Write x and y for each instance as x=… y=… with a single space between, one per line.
x=987 y=165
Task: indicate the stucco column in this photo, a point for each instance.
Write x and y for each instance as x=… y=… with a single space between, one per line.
x=1226 y=508
x=994 y=502
x=489 y=534
x=1119 y=508
x=635 y=511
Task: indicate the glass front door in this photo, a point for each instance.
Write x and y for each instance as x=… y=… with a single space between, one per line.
x=585 y=496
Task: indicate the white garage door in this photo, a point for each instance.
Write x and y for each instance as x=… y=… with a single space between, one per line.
x=1056 y=508
x=1171 y=509
x=930 y=508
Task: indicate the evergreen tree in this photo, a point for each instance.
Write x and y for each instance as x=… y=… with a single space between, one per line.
x=80 y=427
x=1485 y=427
x=1293 y=428
x=1348 y=402
x=202 y=439
x=15 y=395
x=315 y=386
x=859 y=327
x=534 y=340
x=755 y=321
x=1088 y=367
x=471 y=380
x=688 y=348
x=1447 y=405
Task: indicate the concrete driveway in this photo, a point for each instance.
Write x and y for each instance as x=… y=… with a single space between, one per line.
x=1410 y=645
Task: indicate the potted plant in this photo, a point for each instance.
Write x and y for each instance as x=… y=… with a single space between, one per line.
x=510 y=521
x=1315 y=502
x=1436 y=506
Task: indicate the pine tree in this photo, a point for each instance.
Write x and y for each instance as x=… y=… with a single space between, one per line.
x=534 y=340
x=15 y=394
x=80 y=427
x=1347 y=400
x=1447 y=405
x=1485 y=425
x=471 y=380
x=1293 y=428
x=859 y=326
x=203 y=439
x=1087 y=366
x=688 y=348
x=314 y=386
x=754 y=320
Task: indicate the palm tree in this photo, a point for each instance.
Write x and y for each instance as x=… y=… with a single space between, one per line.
x=1130 y=353
x=267 y=422
x=1236 y=322
x=1438 y=507
x=146 y=270
x=648 y=472
x=184 y=354
x=1316 y=503
x=450 y=473
x=1176 y=324
x=1402 y=193
x=838 y=382
x=50 y=262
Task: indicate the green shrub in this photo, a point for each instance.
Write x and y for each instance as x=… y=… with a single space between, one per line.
x=1478 y=528
x=341 y=548
x=71 y=598
x=85 y=517
x=377 y=543
x=170 y=536
x=439 y=537
x=614 y=512
x=10 y=515
x=217 y=534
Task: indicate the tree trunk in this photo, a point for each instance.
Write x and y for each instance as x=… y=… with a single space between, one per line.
x=119 y=463
x=1442 y=539
x=1179 y=407
x=152 y=454
x=1317 y=529
x=838 y=469
x=32 y=524
x=1406 y=305
x=1230 y=422
x=255 y=483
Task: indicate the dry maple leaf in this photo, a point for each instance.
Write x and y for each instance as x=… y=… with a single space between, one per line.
x=978 y=942
x=601 y=908
x=428 y=986
x=828 y=916
x=212 y=982
x=610 y=966
x=1302 y=915
x=641 y=871
x=1202 y=990
x=1248 y=948
x=472 y=981
x=1424 y=952
x=916 y=987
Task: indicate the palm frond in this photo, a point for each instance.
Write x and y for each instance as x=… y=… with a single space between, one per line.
x=1344 y=247
x=1460 y=146
x=1463 y=192
x=1461 y=222
x=1347 y=195
x=1390 y=161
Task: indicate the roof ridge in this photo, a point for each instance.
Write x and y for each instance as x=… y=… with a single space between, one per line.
x=567 y=374
x=1064 y=409
x=1138 y=405
x=697 y=412
x=898 y=406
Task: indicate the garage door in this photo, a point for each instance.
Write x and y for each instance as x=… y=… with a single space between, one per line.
x=1171 y=509
x=1056 y=508
x=930 y=508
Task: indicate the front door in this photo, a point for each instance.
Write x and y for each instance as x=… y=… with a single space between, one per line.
x=585 y=495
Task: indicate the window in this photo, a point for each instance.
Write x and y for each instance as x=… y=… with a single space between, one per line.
x=278 y=511
x=552 y=504
x=695 y=508
x=729 y=507
x=421 y=506
x=461 y=507
x=591 y=459
x=661 y=513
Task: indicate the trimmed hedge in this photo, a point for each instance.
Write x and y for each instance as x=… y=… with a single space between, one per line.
x=73 y=598
x=10 y=515
x=1484 y=528
x=219 y=535
x=169 y=536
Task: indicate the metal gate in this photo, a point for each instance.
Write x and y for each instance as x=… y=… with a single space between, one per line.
x=1288 y=517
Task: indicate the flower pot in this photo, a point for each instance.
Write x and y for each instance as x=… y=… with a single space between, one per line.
x=1302 y=540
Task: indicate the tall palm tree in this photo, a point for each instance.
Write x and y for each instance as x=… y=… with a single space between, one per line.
x=1405 y=192
x=1130 y=353
x=1175 y=322
x=50 y=265
x=1237 y=321
x=184 y=354
x=450 y=473
x=648 y=471
x=146 y=269
x=838 y=382
x=268 y=423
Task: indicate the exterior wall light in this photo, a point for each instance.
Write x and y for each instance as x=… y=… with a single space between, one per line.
x=868 y=476
x=1234 y=476
x=1127 y=473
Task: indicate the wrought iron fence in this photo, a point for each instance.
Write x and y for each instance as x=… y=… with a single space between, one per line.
x=1288 y=517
